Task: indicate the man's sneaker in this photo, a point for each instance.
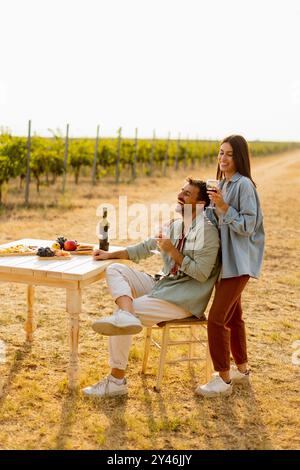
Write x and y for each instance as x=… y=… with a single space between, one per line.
x=215 y=387
x=107 y=387
x=238 y=377
x=120 y=323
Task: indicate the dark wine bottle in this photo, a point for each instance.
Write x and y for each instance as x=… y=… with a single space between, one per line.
x=103 y=231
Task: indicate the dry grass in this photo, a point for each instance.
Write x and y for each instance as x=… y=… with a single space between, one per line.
x=37 y=411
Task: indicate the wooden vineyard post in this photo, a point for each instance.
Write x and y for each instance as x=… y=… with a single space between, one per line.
x=94 y=171
x=65 y=159
x=165 y=164
x=186 y=148
x=118 y=156
x=133 y=168
x=28 y=165
x=193 y=155
x=195 y=152
x=152 y=154
x=177 y=153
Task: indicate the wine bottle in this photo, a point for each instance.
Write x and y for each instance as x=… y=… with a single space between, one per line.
x=103 y=231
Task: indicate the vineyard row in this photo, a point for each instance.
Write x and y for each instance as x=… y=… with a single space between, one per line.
x=40 y=158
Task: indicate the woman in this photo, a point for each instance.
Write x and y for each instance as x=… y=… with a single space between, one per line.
x=238 y=214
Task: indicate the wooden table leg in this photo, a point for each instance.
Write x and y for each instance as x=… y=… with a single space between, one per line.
x=29 y=325
x=74 y=310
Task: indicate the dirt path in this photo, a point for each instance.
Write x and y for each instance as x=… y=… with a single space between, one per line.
x=274 y=164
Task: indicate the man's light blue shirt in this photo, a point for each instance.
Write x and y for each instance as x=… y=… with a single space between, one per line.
x=191 y=288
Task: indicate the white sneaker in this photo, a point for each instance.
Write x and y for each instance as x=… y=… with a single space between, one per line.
x=107 y=387
x=238 y=377
x=120 y=323
x=215 y=387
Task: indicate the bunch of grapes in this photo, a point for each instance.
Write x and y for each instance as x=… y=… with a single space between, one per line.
x=45 y=252
x=61 y=241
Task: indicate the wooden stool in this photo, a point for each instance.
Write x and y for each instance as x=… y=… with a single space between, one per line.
x=191 y=323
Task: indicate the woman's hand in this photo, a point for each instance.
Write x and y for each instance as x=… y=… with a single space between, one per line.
x=99 y=255
x=216 y=197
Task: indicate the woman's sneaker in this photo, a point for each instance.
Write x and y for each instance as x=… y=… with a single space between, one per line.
x=237 y=376
x=215 y=387
x=120 y=323
x=108 y=387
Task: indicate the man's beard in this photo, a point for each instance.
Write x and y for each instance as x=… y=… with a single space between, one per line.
x=179 y=208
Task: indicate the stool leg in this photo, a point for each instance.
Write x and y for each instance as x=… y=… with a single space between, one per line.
x=147 y=349
x=192 y=345
x=162 y=357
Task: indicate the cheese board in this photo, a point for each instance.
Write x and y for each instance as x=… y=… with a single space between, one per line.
x=26 y=253
x=55 y=257
x=82 y=249
x=81 y=252
x=18 y=250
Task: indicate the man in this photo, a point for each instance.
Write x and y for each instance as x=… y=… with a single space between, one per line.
x=191 y=267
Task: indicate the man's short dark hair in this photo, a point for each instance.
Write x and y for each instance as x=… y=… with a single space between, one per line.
x=202 y=190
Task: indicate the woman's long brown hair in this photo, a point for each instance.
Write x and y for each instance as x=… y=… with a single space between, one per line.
x=241 y=156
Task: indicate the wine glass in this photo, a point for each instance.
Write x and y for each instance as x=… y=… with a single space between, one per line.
x=212 y=185
x=164 y=231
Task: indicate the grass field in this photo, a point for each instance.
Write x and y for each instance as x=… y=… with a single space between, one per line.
x=38 y=412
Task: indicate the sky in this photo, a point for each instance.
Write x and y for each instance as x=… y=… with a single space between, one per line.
x=201 y=68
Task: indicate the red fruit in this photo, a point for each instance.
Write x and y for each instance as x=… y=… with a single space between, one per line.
x=70 y=245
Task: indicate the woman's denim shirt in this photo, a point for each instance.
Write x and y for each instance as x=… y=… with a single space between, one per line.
x=241 y=229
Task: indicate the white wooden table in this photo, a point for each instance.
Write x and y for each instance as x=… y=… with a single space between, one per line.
x=70 y=274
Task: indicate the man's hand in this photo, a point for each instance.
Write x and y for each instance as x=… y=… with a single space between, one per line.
x=99 y=255
x=165 y=244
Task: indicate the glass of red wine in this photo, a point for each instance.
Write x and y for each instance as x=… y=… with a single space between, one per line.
x=212 y=185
